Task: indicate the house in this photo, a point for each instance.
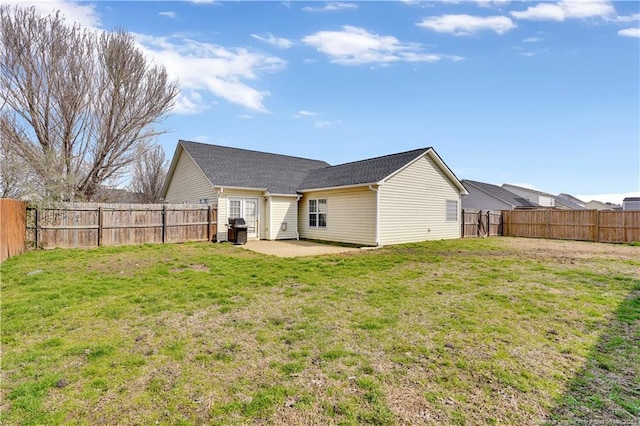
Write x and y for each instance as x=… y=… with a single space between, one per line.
x=542 y=199
x=631 y=204
x=404 y=197
x=485 y=196
x=599 y=205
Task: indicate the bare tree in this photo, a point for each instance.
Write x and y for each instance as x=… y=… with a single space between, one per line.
x=148 y=174
x=16 y=180
x=79 y=104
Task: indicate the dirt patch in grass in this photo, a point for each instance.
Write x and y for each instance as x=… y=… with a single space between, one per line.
x=567 y=250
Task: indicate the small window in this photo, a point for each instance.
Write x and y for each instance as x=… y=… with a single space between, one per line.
x=452 y=210
x=318 y=213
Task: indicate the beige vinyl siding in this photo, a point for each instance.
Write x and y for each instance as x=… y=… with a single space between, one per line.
x=223 y=213
x=189 y=184
x=351 y=216
x=281 y=210
x=413 y=205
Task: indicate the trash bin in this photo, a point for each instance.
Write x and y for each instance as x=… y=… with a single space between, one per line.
x=237 y=232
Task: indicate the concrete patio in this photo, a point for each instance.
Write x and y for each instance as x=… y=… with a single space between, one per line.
x=293 y=248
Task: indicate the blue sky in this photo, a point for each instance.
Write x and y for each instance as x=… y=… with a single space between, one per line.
x=543 y=94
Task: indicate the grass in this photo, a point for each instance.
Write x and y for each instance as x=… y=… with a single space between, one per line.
x=487 y=331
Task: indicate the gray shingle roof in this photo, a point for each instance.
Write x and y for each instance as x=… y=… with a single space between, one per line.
x=568 y=203
x=500 y=193
x=359 y=172
x=234 y=167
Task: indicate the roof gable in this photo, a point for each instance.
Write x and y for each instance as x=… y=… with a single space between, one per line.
x=241 y=168
x=500 y=193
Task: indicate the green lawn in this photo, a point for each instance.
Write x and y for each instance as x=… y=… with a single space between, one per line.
x=487 y=331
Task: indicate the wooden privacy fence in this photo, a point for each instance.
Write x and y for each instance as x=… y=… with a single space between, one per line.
x=478 y=223
x=12 y=226
x=603 y=226
x=92 y=225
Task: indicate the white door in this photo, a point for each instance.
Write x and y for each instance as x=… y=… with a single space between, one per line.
x=251 y=216
x=246 y=208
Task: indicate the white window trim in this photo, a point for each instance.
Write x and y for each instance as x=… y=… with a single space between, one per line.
x=446 y=212
x=317 y=213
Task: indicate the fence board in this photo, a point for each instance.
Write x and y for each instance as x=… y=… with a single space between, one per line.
x=582 y=225
x=13 y=217
x=93 y=224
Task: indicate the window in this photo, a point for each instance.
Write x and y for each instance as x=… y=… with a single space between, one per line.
x=452 y=210
x=234 y=208
x=318 y=213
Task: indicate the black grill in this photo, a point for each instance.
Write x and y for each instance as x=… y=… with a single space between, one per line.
x=237 y=232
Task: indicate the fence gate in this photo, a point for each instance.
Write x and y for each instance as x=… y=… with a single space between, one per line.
x=478 y=223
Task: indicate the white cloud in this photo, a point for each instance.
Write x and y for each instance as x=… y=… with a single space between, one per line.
x=304 y=113
x=202 y=67
x=171 y=15
x=357 y=46
x=630 y=32
x=189 y=102
x=245 y=116
x=330 y=7
x=202 y=1
x=320 y=124
x=626 y=18
x=567 y=9
x=492 y=3
x=532 y=40
x=467 y=24
x=280 y=42
x=83 y=14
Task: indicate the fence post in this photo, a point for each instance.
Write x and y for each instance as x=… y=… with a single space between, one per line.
x=209 y=223
x=37 y=220
x=488 y=223
x=164 y=224
x=463 y=223
x=99 y=226
x=597 y=226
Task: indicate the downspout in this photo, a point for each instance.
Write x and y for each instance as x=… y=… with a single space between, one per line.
x=297 y=216
x=377 y=191
x=218 y=190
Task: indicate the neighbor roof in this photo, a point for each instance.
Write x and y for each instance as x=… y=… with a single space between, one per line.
x=501 y=194
x=533 y=191
x=372 y=170
x=568 y=203
x=242 y=168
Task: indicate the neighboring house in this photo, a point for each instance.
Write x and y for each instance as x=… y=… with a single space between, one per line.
x=572 y=199
x=599 y=205
x=485 y=196
x=398 y=198
x=631 y=204
x=543 y=199
x=568 y=204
